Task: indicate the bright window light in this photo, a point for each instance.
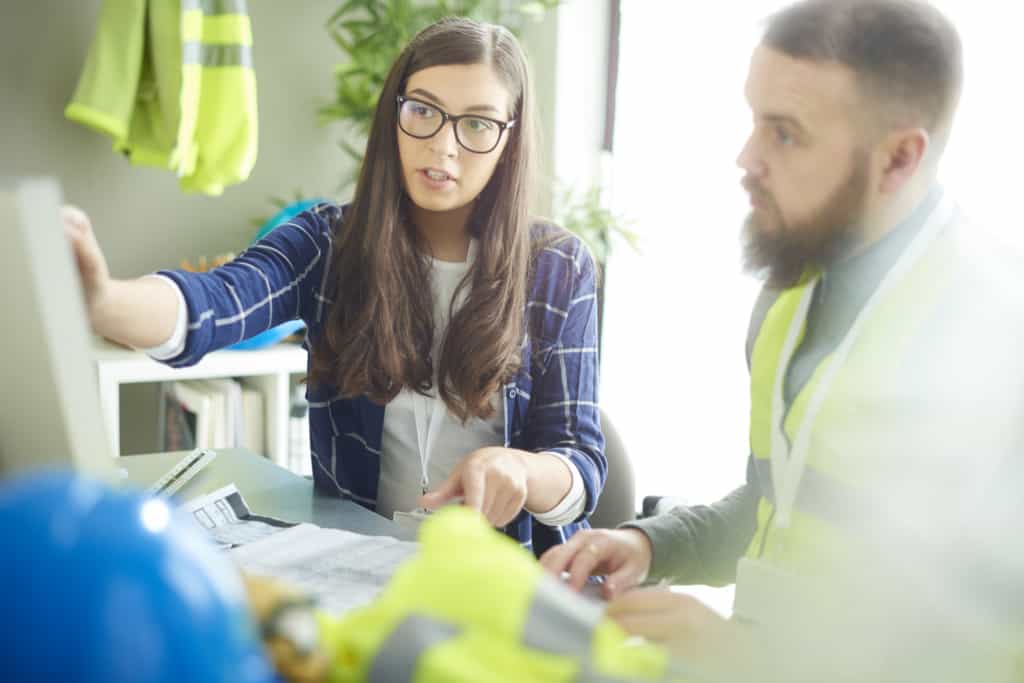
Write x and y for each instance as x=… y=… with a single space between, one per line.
x=674 y=379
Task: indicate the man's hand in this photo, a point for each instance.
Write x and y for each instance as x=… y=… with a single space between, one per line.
x=623 y=555
x=682 y=623
x=492 y=480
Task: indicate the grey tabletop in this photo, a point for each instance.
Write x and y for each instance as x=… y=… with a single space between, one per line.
x=268 y=489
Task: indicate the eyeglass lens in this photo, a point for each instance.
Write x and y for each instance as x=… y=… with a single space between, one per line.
x=422 y=120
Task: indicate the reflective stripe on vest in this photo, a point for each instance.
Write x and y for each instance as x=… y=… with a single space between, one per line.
x=560 y=622
x=822 y=496
x=216 y=7
x=398 y=656
x=216 y=33
x=217 y=55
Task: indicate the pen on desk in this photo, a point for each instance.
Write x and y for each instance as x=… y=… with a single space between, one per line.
x=181 y=473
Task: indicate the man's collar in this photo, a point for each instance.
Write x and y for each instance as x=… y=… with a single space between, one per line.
x=864 y=270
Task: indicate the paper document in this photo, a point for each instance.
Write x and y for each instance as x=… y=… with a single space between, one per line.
x=341 y=569
x=226 y=517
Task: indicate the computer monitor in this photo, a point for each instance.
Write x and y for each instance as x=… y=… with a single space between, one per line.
x=49 y=395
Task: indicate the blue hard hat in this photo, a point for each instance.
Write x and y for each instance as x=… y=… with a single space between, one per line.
x=104 y=585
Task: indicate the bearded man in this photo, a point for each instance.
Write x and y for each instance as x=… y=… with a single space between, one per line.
x=875 y=536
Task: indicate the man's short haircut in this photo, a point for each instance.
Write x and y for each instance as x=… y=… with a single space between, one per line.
x=906 y=55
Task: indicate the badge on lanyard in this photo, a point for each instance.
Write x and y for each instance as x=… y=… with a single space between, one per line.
x=427 y=430
x=411 y=520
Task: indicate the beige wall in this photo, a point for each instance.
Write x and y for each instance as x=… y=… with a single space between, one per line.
x=538 y=41
x=141 y=217
x=143 y=220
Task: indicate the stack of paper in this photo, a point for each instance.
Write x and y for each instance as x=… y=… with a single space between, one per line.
x=341 y=569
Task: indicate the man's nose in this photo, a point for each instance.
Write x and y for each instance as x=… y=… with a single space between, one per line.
x=749 y=160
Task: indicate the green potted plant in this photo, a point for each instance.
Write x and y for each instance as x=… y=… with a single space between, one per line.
x=583 y=213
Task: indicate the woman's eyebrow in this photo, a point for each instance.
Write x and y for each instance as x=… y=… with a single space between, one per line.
x=426 y=94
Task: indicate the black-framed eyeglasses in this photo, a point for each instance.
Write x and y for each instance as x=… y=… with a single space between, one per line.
x=475 y=133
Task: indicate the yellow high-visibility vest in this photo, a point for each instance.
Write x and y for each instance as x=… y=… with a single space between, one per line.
x=217 y=137
x=173 y=84
x=472 y=607
x=901 y=431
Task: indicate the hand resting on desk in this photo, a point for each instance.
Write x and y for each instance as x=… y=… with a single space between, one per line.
x=622 y=555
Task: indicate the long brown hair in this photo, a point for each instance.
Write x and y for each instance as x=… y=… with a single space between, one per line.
x=378 y=335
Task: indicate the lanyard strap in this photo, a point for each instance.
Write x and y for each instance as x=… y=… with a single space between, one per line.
x=430 y=411
x=427 y=430
x=789 y=462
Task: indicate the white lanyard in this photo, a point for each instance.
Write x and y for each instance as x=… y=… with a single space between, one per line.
x=426 y=432
x=428 y=429
x=788 y=463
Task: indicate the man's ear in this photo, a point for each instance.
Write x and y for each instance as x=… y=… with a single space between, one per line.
x=904 y=151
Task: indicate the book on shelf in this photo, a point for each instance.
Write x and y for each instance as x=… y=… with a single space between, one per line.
x=189 y=416
x=229 y=431
x=300 y=459
x=253 y=418
x=177 y=424
x=213 y=413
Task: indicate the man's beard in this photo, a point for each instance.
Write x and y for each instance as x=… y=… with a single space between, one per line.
x=785 y=252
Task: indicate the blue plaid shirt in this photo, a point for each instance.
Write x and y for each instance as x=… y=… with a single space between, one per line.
x=550 y=404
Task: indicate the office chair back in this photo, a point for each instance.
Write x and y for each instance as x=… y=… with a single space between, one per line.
x=618 y=500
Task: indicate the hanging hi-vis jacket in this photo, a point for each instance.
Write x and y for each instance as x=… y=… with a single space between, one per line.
x=878 y=481
x=172 y=82
x=475 y=607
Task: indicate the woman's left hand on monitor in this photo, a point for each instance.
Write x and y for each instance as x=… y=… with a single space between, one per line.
x=141 y=313
x=92 y=264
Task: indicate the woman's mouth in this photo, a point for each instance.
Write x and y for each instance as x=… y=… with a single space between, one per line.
x=436 y=178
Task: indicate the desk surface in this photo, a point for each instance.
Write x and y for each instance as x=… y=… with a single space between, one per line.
x=268 y=489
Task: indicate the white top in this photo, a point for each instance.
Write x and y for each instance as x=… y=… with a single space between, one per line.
x=445 y=441
x=422 y=440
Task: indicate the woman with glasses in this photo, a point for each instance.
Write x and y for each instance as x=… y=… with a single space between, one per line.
x=452 y=338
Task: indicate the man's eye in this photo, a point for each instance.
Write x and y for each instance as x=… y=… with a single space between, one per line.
x=783 y=137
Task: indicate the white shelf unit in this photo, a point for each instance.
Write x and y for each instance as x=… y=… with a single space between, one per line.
x=269 y=369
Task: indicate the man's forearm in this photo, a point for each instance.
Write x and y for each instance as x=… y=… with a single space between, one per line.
x=702 y=543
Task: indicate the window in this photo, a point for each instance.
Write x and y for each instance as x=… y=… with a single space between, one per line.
x=673 y=373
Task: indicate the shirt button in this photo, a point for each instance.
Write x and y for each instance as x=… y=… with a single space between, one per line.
x=512 y=393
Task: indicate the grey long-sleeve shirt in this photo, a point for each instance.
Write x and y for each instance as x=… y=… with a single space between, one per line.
x=702 y=543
